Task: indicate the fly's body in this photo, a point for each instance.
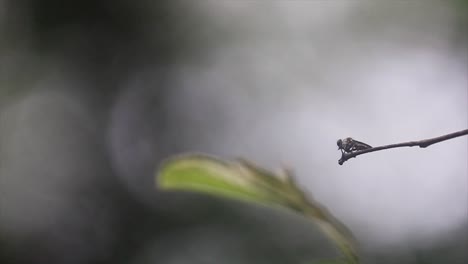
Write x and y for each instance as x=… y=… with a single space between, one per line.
x=349 y=145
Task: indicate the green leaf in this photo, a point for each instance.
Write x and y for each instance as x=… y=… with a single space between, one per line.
x=330 y=261
x=242 y=180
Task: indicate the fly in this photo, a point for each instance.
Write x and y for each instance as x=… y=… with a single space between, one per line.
x=349 y=145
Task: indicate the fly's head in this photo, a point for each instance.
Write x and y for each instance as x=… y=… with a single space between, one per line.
x=339 y=143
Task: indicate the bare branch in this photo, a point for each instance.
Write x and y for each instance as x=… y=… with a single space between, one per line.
x=421 y=143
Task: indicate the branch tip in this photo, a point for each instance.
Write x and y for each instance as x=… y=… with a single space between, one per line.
x=422 y=144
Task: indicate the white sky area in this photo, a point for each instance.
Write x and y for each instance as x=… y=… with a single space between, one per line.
x=302 y=74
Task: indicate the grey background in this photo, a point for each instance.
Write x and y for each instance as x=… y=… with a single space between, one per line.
x=94 y=94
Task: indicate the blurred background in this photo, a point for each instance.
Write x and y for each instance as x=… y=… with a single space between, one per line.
x=94 y=94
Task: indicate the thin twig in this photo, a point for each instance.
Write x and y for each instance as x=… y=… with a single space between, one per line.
x=421 y=143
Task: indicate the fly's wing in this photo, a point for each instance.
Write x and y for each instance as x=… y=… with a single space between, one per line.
x=358 y=145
